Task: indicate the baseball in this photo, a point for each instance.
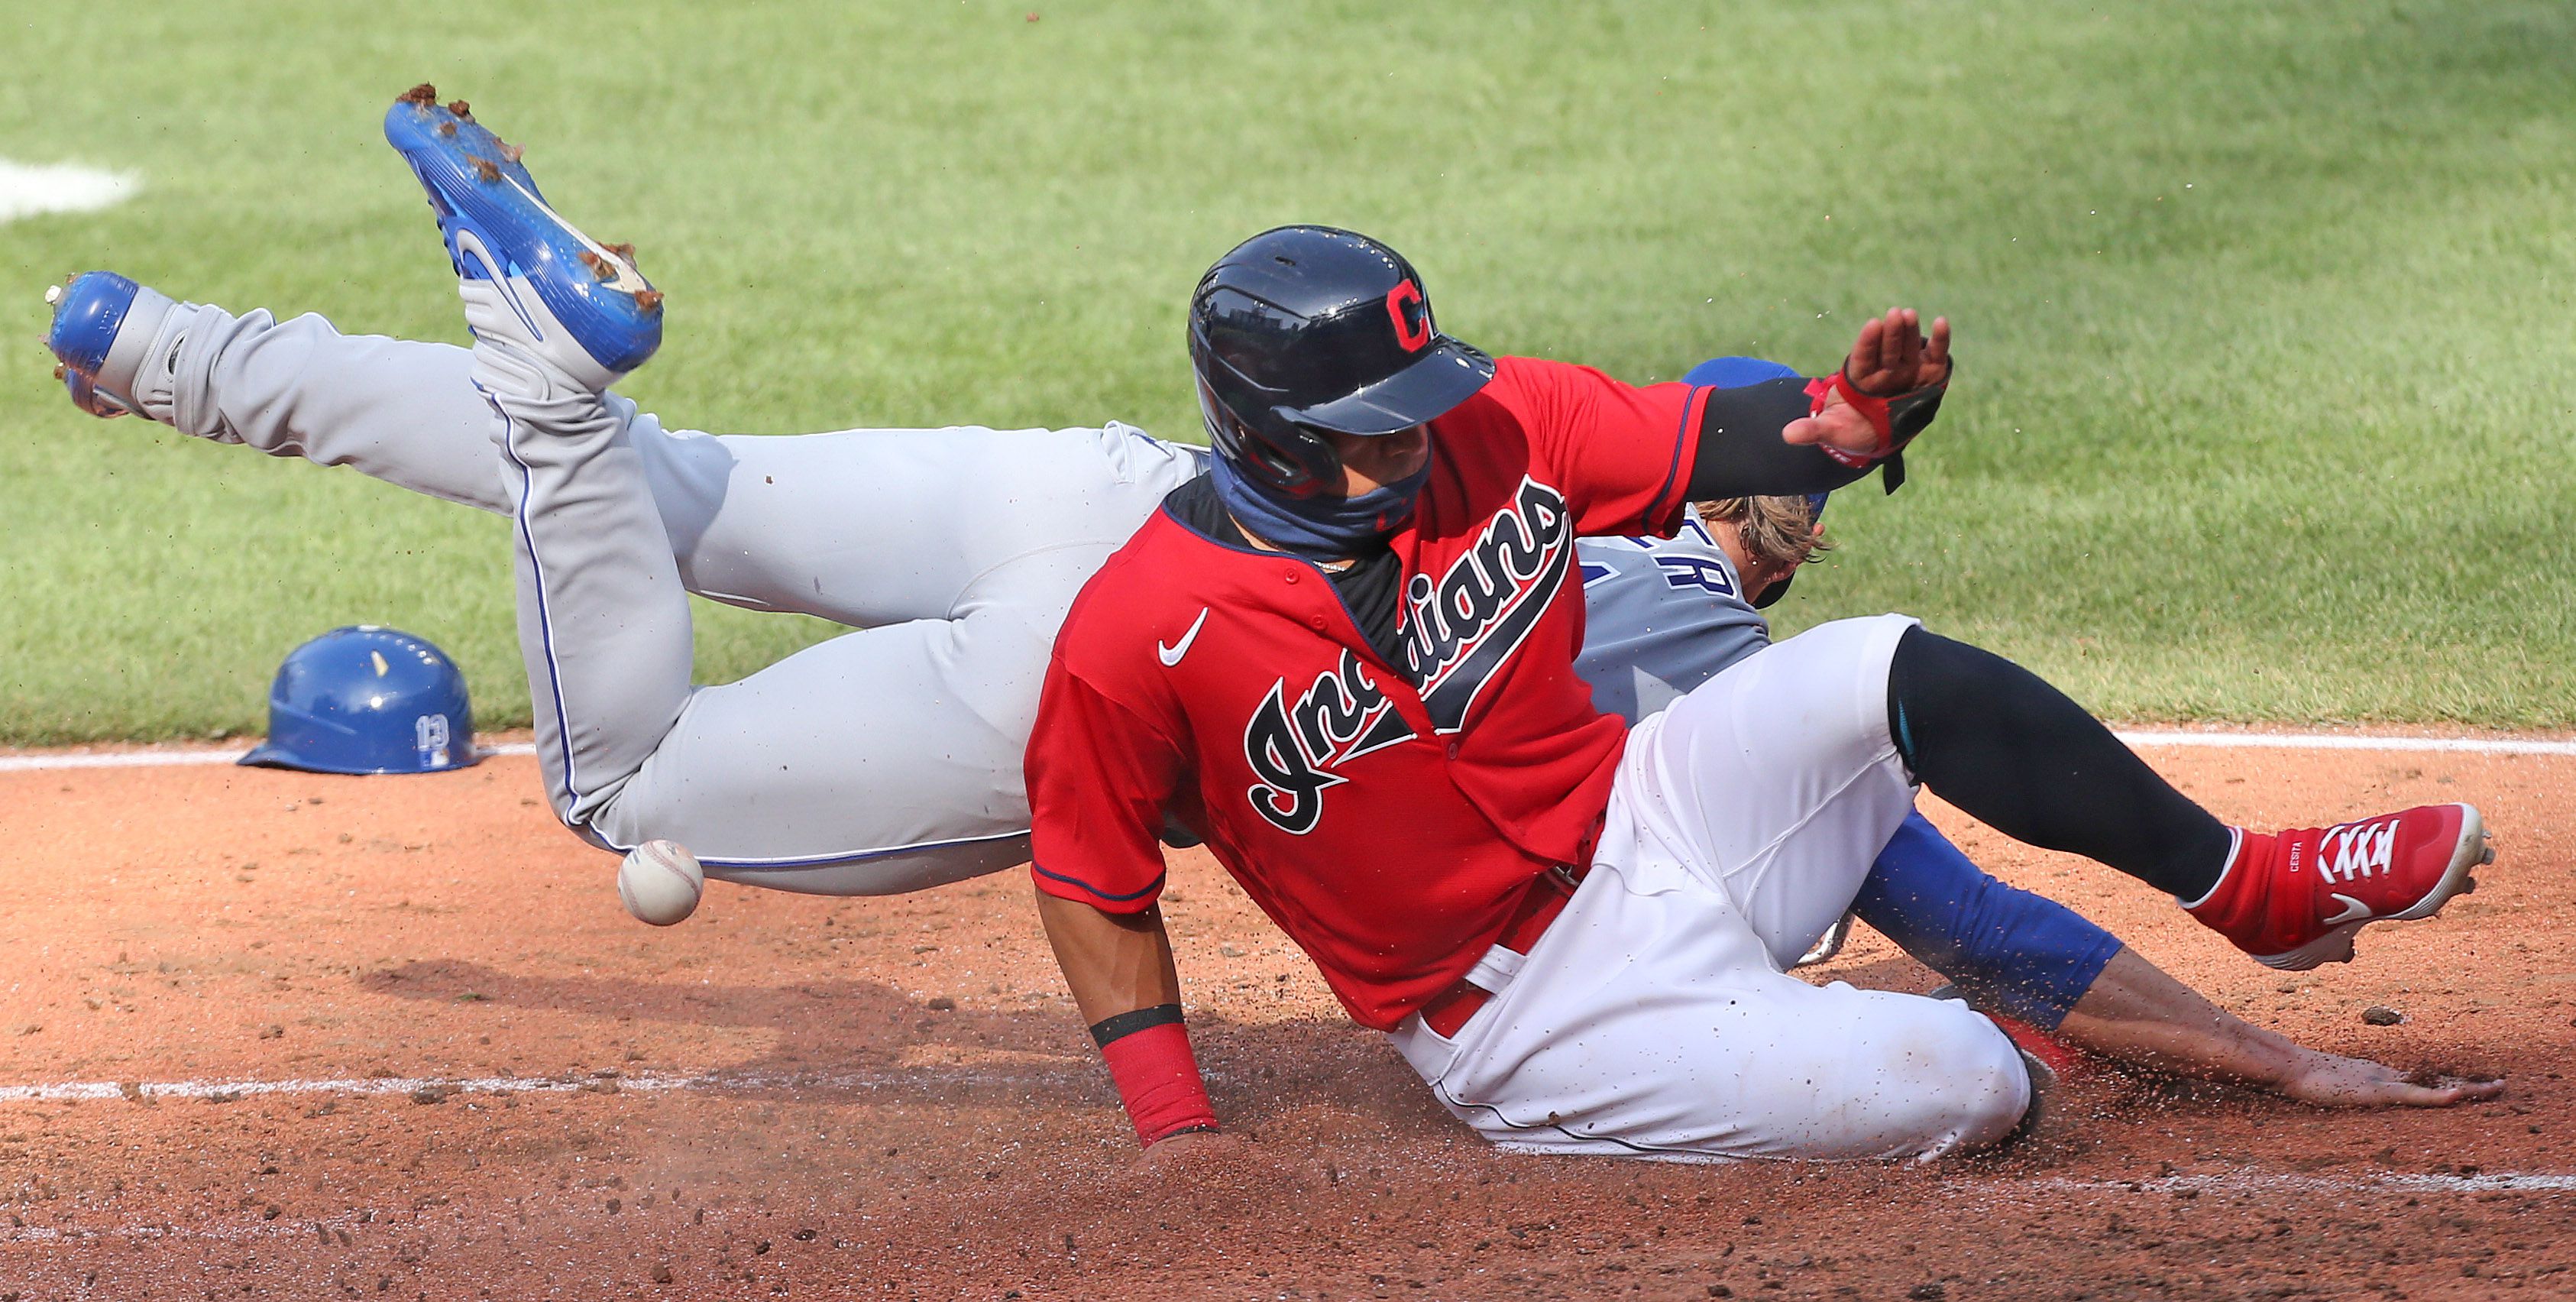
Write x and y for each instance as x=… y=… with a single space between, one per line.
x=660 y=882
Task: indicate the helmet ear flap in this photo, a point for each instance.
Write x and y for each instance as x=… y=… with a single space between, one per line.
x=1300 y=467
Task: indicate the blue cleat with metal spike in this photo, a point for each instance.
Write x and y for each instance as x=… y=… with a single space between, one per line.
x=103 y=324
x=529 y=277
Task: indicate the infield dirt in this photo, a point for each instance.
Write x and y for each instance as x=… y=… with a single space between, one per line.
x=277 y=1035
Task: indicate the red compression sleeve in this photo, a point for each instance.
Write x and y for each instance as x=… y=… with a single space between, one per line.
x=1158 y=1080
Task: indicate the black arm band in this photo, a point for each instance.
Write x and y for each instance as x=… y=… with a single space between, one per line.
x=1740 y=452
x=1126 y=1024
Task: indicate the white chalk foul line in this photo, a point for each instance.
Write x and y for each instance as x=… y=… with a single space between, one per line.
x=27 y=189
x=448 y=1087
x=2350 y=741
x=140 y=1091
x=153 y=759
x=2283 y=1182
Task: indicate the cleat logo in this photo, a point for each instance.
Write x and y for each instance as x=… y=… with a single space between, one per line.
x=2353 y=910
x=468 y=245
x=624 y=277
x=2352 y=850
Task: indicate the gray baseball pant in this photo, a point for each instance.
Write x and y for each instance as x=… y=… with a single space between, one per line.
x=881 y=761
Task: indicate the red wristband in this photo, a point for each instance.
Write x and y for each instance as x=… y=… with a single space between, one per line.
x=1158 y=1080
x=1873 y=409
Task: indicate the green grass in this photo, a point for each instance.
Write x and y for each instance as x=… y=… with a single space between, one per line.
x=2263 y=308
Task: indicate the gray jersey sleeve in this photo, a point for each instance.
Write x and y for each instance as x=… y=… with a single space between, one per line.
x=1661 y=616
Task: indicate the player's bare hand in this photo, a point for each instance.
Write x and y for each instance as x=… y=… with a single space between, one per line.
x=1893 y=356
x=2334 y=1081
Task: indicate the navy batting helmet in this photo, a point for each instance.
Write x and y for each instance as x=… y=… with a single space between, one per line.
x=368 y=700
x=1306 y=329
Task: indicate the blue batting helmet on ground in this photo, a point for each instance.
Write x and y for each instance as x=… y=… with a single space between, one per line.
x=368 y=700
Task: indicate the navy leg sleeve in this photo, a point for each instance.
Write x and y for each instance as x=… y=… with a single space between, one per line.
x=2021 y=954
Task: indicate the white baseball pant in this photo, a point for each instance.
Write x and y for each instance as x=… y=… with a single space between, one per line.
x=1655 y=1017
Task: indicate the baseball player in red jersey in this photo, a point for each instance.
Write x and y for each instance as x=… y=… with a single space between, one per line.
x=1345 y=659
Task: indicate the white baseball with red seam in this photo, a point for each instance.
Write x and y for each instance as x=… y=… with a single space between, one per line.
x=660 y=882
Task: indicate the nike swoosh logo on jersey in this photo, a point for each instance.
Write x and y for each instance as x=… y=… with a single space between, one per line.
x=1172 y=654
x=2353 y=910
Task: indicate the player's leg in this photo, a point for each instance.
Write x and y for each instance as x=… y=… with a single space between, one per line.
x=2015 y=753
x=1743 y=822
x=1655 y=1025
x=603 y=621
x=882 y=761
x=863 y=527
x=878 y=526
x=396 y=410
x=888 y=759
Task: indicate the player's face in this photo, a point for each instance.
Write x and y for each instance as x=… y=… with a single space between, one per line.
x=1371 y=462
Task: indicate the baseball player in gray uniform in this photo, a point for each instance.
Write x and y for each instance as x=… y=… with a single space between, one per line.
x=884 y=760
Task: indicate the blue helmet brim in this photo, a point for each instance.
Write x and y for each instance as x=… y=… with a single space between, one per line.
x=1449 y=373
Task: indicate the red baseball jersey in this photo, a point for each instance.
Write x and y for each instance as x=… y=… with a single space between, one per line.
x=1388 y=817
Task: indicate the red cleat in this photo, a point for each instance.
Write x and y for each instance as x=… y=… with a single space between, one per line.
x=2293 y=899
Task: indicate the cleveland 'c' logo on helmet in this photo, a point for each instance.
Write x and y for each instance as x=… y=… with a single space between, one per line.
x=1412 y=316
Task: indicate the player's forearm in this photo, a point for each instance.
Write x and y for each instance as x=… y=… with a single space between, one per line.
x=1114 y=962
x=1120 y=969
x=2136 y=1012
x=1740 y=453
x=2028 y=955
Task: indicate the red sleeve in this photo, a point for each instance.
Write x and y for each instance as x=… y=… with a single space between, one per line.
x=1622 y=454
x=1099 y=778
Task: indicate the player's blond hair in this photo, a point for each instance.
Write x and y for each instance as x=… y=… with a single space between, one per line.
x=1780 y=530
